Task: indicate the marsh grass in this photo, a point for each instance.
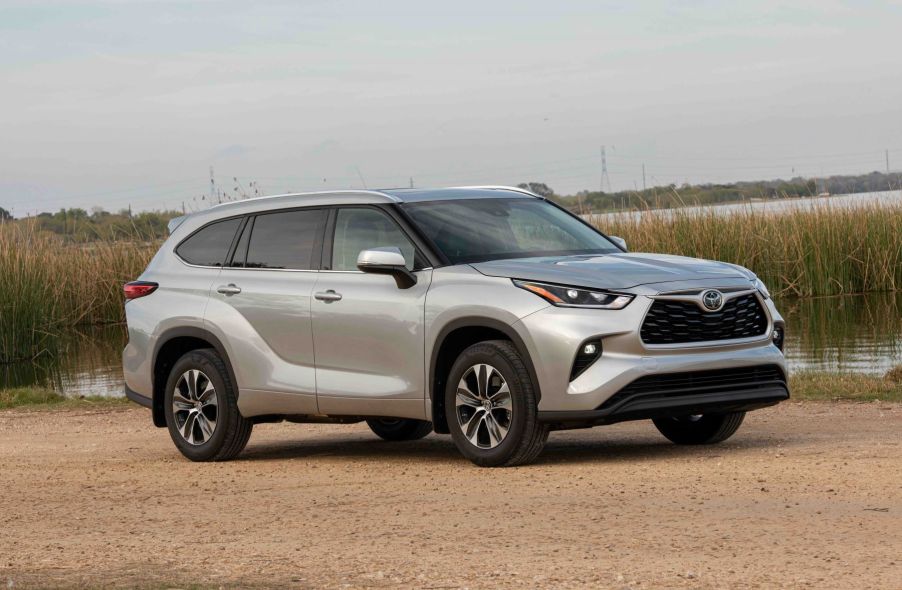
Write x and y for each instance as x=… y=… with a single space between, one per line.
x=47 y=285
x=811 y=385
x=43 y=397
x=803 y=252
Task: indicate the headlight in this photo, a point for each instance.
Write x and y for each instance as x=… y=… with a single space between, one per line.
x=563 y=296
x=758 y=284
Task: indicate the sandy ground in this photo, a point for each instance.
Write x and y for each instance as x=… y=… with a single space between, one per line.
x=805 y=495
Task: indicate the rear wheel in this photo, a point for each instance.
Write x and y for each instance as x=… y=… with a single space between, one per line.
x=700 y=429
x=491 y=406
x=201 y=408
x=397 y=429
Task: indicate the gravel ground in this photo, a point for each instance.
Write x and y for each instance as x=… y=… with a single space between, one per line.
x=805 y=495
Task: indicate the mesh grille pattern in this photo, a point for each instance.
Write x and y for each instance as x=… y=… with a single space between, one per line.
x=677 y=322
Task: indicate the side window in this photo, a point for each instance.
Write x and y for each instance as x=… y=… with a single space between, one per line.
x=287 y=239
x=210 y=245
x=359 y=229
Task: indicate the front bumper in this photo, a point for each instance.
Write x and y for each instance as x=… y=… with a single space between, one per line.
x=553 y=336
x=657 y=403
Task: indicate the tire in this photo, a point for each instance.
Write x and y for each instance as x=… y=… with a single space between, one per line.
x=398 y=429
x=227 y=431
x=513 y=413
x=704 y=429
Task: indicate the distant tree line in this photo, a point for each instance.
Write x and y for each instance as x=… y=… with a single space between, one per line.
x=78 y=225
x=670 y=196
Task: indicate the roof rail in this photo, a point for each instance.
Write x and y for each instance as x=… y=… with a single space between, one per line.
x=500 y=187
x=315 y=193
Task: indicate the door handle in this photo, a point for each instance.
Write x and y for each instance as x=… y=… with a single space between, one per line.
x=230 y=289
x=328 y=296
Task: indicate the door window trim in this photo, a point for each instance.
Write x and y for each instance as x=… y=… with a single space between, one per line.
x=251 y=218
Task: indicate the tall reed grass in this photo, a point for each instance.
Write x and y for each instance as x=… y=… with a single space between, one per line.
x=804 y=252
x=47 y=285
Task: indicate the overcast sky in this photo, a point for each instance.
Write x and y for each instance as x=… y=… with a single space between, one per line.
x=118 y=102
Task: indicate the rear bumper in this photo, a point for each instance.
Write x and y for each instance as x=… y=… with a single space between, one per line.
x=138 y=398
x=644 y=407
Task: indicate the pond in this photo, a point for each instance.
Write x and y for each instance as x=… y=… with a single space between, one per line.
x=860 y=333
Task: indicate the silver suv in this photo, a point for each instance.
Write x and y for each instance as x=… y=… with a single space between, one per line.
x=488 y=313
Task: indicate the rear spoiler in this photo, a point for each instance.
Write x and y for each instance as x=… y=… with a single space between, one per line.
x=175 y=222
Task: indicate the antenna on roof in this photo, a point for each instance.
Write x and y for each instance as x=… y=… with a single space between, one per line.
x=360 y=174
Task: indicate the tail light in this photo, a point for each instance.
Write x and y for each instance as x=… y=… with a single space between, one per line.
x=137 y=289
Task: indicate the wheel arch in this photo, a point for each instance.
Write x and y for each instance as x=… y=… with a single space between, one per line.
x=171 y=345
x=454 y=338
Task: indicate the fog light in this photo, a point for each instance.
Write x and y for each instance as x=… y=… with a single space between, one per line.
x=586 y=354
x=779 y=337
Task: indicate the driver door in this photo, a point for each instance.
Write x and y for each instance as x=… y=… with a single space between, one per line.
x=369 y=334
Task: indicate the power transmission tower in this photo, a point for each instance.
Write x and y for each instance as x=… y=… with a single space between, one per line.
x=605 y=179
x=643 y=176
x=411 y=182
x=887 y=161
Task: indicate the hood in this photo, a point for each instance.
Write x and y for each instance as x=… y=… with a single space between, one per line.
x=612 y=271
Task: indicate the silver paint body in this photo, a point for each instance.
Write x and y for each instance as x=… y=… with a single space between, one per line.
x=297 y=349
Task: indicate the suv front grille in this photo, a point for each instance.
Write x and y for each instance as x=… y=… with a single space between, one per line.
x=699 y=382
x=678 y=322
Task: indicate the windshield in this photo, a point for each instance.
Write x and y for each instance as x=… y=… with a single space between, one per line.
x=476 y=230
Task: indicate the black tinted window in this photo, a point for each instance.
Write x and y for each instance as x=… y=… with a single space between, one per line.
x=210 y=245
x=289 y=239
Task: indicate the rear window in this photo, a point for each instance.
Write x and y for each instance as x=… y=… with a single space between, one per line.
x=288 y=239
x=210 y=245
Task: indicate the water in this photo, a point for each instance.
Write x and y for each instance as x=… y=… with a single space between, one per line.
x=859 y=333
x=90 y=364
x=883 y=199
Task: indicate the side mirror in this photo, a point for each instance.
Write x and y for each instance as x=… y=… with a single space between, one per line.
x=620 y=242
x=387 y=261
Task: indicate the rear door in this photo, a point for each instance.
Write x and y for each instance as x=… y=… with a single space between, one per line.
x=368 y=333
x=261 y=303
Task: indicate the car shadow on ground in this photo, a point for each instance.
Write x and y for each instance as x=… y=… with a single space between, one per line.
x=562 y=449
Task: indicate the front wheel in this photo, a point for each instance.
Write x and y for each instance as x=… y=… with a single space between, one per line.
x=700 y=429
x=491 y=406
x=398 y=429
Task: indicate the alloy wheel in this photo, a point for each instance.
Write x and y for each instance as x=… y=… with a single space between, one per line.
x=484 y=406
x=194 y=406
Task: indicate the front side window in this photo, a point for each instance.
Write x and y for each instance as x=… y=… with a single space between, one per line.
x=210 y=245
x=476 y=230
x=286 y=240
x=358 y=229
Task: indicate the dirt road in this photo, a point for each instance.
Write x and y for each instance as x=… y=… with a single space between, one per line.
x=806 y=495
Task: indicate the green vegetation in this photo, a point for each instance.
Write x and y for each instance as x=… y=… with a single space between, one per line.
x=847 y=386
x=53 y=277
x=39 y=396
x=80 y=226
x=670 y=196
x=48 y=283
x=804 y=252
